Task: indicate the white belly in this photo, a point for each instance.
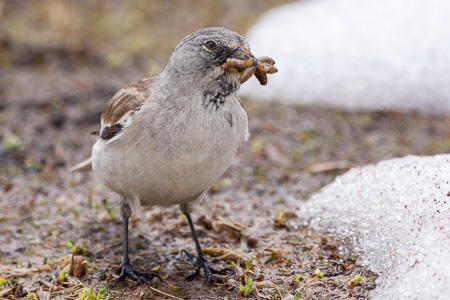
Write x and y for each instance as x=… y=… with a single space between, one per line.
x=157 y=169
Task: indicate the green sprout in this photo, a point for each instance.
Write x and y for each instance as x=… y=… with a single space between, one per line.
x=31 y=296
x=88 y=294
x=2 y=280
x=356 y=279
x=280 y=216
x=69 y=245
x=297 y=296
x=13 y=280
x=247 y=288
x=77 y=212
x=319 y=274
x=271 y=256
x=77 y=249
x=248 y=266
x=62 y=276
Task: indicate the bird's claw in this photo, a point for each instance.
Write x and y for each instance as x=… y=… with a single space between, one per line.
x=138 y=276
x=202 y=263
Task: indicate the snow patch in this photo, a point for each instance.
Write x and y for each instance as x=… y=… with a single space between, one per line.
x=396 y=214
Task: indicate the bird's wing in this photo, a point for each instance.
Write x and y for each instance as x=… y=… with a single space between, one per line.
x=118 y=114
x=120 y=110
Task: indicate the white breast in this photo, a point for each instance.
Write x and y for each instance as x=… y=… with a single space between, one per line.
x=169 y=157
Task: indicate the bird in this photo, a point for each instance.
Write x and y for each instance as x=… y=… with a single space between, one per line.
x=166 y=139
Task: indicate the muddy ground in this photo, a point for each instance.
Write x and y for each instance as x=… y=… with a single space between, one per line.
x=51 y=98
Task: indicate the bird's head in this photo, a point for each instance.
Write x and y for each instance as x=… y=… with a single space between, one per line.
x=200 y=55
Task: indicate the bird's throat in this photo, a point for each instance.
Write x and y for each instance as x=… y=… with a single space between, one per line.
x=216 y=95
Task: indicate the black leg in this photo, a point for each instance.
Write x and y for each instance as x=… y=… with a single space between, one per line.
x=201 y=262
x=126 y=265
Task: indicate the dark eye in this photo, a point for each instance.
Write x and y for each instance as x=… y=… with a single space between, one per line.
x=210 y=45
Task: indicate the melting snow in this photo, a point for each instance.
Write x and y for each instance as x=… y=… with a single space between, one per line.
x=396 y=214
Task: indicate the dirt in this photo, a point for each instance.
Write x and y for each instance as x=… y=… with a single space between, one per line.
x=51 y=99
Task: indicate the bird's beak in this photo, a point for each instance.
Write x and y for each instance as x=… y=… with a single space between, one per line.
x=240 y=52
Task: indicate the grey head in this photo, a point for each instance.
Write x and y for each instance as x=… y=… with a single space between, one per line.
x=199 y=56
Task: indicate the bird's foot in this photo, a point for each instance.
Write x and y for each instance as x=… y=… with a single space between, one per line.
x=200 y=262
x=127 y=269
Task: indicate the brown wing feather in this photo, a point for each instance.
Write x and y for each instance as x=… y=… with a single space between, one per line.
x=126 y=101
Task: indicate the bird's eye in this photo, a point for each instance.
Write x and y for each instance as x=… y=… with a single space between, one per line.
x=211 y=45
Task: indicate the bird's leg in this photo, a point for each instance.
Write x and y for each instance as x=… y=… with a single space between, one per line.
x=200 y=262
x=126 y=266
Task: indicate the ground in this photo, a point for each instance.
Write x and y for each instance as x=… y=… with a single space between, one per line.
x=52 y=96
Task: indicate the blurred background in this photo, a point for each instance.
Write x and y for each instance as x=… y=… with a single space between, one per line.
x=358 y=55
x=111 y=34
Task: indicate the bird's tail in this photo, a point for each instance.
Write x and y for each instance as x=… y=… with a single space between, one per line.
x=84 y=166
